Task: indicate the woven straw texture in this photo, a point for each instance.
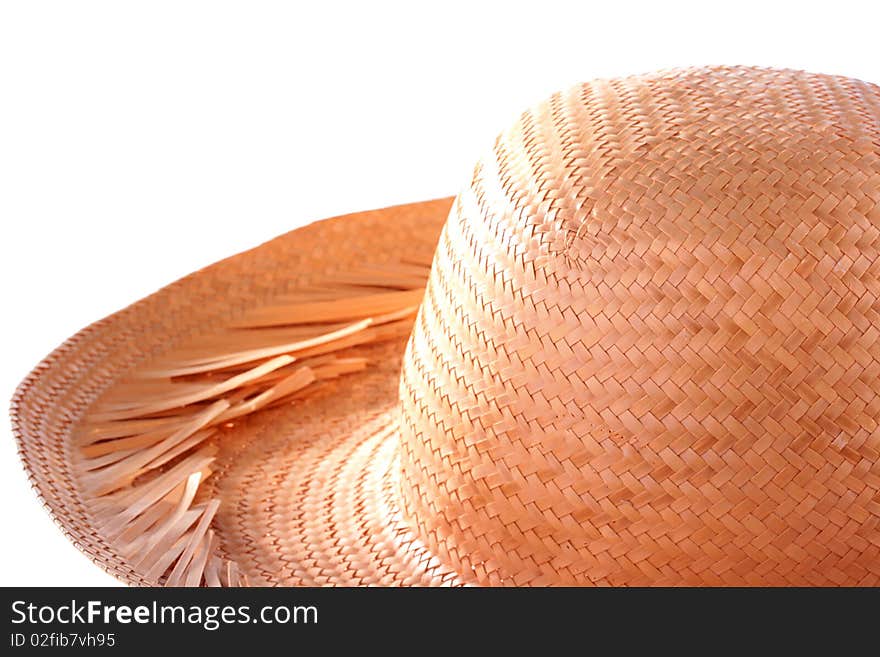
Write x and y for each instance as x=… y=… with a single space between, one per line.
x=647 y=353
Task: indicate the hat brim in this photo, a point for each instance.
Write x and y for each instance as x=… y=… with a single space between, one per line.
x=239 y=425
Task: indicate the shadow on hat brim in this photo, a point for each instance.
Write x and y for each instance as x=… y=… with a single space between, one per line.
x=238 y=426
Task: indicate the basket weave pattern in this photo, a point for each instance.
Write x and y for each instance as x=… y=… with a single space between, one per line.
x=648 y=352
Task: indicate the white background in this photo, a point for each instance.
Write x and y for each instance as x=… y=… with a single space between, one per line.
x=141 y=141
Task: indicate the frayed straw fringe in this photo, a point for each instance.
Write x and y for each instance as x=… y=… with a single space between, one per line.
x=147 y=450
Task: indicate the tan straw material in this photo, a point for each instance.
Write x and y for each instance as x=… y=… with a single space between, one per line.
x=645 y=352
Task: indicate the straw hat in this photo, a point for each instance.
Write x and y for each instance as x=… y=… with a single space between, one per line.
x=645 y=352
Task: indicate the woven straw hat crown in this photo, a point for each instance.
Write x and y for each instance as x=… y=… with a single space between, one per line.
x=648 y=348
